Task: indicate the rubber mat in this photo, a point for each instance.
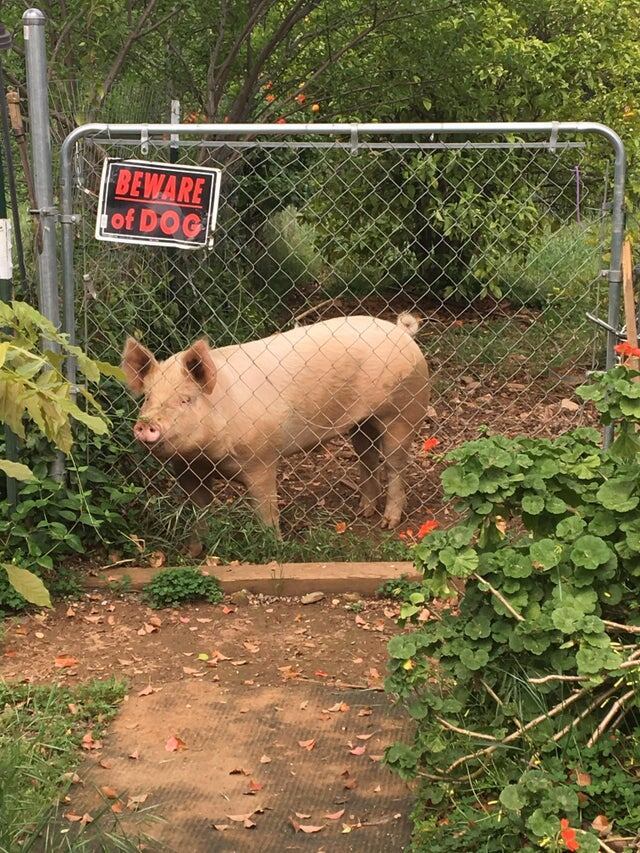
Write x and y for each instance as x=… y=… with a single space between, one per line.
x=270 y=764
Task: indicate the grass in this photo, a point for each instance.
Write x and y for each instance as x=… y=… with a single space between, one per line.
x=41 y=729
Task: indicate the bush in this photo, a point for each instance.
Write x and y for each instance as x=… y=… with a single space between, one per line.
x=523 y=692
x=172 y=587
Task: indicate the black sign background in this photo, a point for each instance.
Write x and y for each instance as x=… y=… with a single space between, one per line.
x=157 y=203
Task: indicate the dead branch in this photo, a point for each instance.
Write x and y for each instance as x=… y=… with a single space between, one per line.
x=628 y=629
x=499 y=596
x=554 y=677
x=604 y=723
x=447 y=725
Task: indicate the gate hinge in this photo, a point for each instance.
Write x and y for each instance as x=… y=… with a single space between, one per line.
x=69 y=218
x=614 y=276
x=44 y=212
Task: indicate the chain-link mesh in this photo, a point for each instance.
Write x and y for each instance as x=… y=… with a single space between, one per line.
x=494 y=247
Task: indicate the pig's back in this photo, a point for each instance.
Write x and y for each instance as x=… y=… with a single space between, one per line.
x=314 y=381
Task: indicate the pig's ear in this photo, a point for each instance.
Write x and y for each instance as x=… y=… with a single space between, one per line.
x=199 y=365
x=137 y=361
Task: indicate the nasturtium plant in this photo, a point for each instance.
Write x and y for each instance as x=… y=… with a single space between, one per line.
x=544 y=572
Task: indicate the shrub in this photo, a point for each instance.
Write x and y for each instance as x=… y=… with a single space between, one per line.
x=520 y=694
x=172 y=587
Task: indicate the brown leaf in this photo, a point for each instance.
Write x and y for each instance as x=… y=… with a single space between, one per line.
x=220 y=826
x=109 y=792
x=365 y=737
x=254 y=786
x=358 y=750
x=240 y=818
x=306 y=828
x=73 y=709
x=350 y=784
x=335 y=815
x=135 y=755
x=227 y=610
x=73 y=818
x=155 y=620
x=71 y=612
x=134 y=802
x=64 y=660
x=251 y=647
x=116 y=808
x=341 y=526
x=157 y=559
x=602 y=825
x=238 y=662
x=264 y=759
x=365 y=712
x=302 y=816
x=583 y=779
x=106 y=763
x=174 y=743
x=238 y=771
x=307 y=744
x=89 y=743
x=339 y=706
x=249 y=824
x=147 y=691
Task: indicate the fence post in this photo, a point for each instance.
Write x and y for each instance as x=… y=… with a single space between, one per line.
x=38 y=103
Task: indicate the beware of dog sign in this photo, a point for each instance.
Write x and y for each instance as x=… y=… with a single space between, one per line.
x=157 y=203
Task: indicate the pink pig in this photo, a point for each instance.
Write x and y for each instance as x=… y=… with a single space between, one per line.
x=234 y=412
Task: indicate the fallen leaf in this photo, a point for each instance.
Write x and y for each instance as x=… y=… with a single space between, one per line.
x=307 y=744
x=602 y=825
x=304 y=705
x=346 y=828
x=302 y=816
x=155 y=620
x=40 y=635
x=189 y=670
x=106 y=763
x=358 y=750
x=89 y=743
x=350 y=784
x=135 y=755
x=583 y=779
x=335 y=815
x=569 y=405
x=341 y=526
x=254 y=786
x=73 y=709
x=264 y=759
x=217 y=656
x=116 y=808
x=109 y=792
x=306 y=828
x=227 y=610
x=321 y=673
x=251 y=647
x=365 y=712
x=365 y=737
x=339 y=706
x=174 y=743
x=377 y=789
x=134 y=802
x=73 y=818
x=359 y=620
x=147 y=691
x=65 y=660
x=220 y=826
x=249 y=824
x=240 y=818
x=238 y=771
x=157 y=559
x=71 y=612
x=238 y=662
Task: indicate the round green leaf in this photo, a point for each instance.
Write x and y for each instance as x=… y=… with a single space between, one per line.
x=546 y=553
x=570 y=528
x=460 y=563
x=455 y=481
x=401 y=647
x=617 y=494
x=532 y=504
x=590 y=552
x=512 y=799
x=474 y=659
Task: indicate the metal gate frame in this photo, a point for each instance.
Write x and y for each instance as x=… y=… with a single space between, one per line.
x=353 y=134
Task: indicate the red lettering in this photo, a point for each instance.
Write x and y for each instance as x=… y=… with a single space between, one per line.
x=196 y=198
x=170 y=188
x=128 y=220
x=191 y=225
x=134 y=192
x=148 y=220
x=122 y=184
x=186 y=185
x=169 y=222
x=153 y=185
x=117 y=221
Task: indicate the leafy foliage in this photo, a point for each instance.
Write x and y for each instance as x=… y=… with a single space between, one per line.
x=172 y=587
x=541 y=644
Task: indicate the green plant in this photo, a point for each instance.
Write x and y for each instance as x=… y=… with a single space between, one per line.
x=541 y=657
x=400 y=588
x=172 y=587
x=32 y=384
x=41 y=729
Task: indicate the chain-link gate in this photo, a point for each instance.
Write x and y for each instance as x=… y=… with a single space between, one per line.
x=497 y=239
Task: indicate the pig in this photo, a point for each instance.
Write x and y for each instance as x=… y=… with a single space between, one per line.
x=233 y=412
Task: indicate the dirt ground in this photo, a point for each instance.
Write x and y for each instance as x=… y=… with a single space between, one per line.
x=250 y=723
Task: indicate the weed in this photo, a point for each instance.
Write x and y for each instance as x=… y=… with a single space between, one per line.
x=400 y=588
x=172 y=587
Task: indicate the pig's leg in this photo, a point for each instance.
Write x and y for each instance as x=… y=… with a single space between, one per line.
x=197 y=484
x=261 y=484
x=365 y=438
x=396 y=441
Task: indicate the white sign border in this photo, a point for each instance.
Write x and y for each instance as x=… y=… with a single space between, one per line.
x=212 y=214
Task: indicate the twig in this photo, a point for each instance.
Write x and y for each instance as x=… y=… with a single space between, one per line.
x=552 y=677
x=603 y=725
x=515 y=735
x=596 y=702
x=605 y=847
x=499 y=596
x=313 y=308
x=447 y=725
x=628 y=629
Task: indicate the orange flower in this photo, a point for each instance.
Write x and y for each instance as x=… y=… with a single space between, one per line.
x=301 y=98
x=628 y=350
x=430 y=444
x=269 y=98
x=341 y=526
x=568 y=835
x=427 y=527
x=281 y=120
x=315 y=108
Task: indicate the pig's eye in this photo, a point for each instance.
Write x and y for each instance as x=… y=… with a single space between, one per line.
x=185 y=401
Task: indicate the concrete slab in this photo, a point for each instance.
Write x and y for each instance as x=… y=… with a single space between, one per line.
x=240 y=740
x=278 y=578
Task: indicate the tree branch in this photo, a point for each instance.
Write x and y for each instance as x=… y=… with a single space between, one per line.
x=499 y=596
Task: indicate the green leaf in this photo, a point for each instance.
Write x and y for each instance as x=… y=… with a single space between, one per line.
x=570 y=528
x=17 y=470
x=617 y=494
x=603 y=523
x=28 y=585
x=567 y=618
x=532 y=504
x=455 y=481
x=512 y=799
x=95 y=424
x=590 y=552
x=459 y=563
x=401 y=647
x=542 y=824
x=546 y=553
x=474 y=659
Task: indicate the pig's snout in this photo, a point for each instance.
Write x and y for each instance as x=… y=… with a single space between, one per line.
x=146 y=432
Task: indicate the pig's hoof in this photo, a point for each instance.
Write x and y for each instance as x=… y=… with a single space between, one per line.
x=367 y=508
x=391 y=520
